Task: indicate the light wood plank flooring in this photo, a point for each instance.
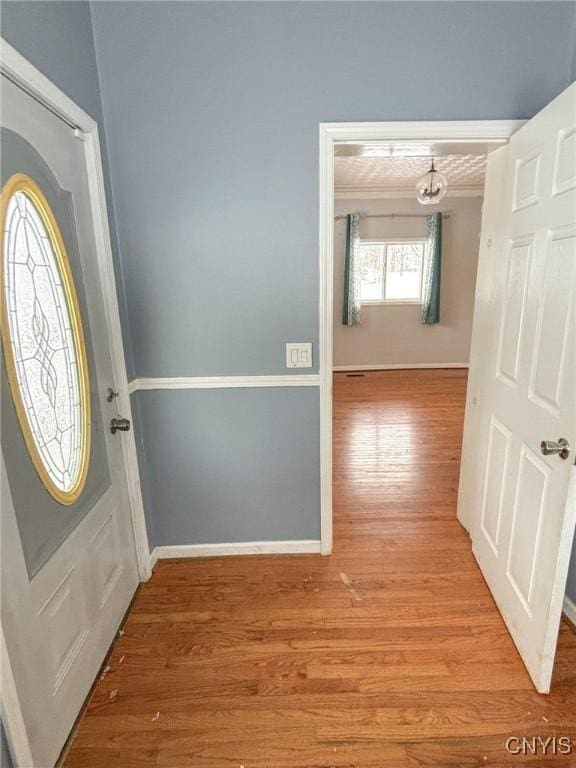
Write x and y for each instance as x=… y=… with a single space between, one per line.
x=389 y=653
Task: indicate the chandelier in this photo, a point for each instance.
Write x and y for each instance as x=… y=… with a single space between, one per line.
x=431 y=187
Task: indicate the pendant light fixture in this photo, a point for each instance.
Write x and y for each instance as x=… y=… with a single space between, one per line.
x=431 y=187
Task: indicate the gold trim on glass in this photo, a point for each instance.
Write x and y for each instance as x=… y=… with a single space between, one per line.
x=19 y=182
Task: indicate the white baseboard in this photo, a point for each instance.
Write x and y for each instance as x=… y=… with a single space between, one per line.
x=397 y=367
x=570 y=609
x=298 y=547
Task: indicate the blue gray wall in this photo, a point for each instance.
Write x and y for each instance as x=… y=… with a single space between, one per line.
x=212 y=113
x=57 y=38
x=245 y=466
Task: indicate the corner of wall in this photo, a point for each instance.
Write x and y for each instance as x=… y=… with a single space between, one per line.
x=143 y=463
x=112 y=217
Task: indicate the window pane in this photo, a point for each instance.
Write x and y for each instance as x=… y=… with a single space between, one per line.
x=47 y=372
x=371 y=257
x=404 y=270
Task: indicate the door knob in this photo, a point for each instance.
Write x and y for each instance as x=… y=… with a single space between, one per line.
x=119 y=425
x=561 y=448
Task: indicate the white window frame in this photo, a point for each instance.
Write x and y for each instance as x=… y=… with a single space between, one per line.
x=391 y=241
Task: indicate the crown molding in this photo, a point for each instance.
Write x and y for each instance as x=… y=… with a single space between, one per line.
x=350 y=192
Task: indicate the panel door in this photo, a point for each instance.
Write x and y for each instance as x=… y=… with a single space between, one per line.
x=523 y=382
x=68 y=556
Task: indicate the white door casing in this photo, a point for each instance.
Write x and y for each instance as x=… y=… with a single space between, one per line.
x=520 y=504
x=484 y=330
x=58 y=625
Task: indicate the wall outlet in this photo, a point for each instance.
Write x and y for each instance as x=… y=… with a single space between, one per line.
x=299 y=355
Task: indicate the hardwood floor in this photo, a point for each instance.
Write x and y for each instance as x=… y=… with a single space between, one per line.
x=388 y=653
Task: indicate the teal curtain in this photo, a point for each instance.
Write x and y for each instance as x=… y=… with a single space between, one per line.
x=351 y=308
x=433 y=270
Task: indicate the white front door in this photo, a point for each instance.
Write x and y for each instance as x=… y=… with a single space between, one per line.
x=69 y=566
x=519 y=498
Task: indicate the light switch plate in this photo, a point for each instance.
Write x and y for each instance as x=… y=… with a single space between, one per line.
x=299 y=354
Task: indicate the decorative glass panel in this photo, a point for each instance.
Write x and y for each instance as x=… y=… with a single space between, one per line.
x=43 y=340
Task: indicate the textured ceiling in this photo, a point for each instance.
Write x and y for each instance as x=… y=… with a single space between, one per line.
x=462 y=171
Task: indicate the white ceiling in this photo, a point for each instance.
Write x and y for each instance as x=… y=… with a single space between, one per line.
x=465 y=173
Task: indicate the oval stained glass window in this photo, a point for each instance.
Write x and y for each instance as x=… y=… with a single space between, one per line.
x=43 y=340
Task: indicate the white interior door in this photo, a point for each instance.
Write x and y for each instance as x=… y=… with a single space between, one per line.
x=69 y=565
x=521 y=504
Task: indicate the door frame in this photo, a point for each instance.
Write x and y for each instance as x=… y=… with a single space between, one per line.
x=496 y=132
x=26 y=76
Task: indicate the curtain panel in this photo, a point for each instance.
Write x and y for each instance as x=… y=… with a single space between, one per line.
x=433 y=270
x=351 y=308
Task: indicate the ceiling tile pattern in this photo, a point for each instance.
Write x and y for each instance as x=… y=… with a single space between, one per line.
x=462 y=171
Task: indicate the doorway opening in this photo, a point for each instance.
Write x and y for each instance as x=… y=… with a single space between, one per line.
x=400 y=364
x=399 y=139
x=376 y=254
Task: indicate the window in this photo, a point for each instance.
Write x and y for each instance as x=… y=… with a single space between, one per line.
x=391 y=272
x=43 y=340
